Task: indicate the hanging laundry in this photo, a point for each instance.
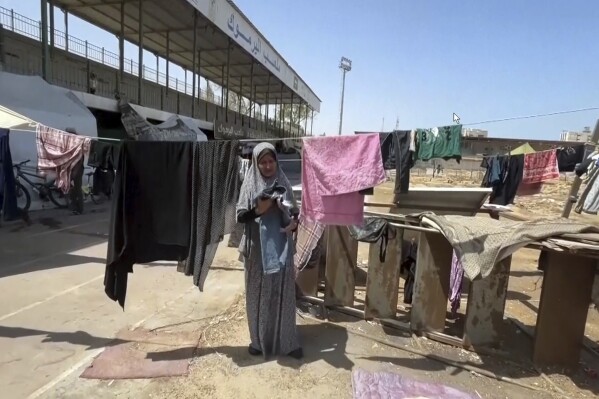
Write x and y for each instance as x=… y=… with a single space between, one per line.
x=309 y=234
x=103 y=155
x=408 y=269
x=481 y=243
x=59 y=152
x=237 y=233
x=138 y=128
x=569 y=157
x=512 y=168
x=540 y=167
x=151 y=212
x=8 y=194
x=494 y=170
x=334 y=170
x=587 y=163
x=591 y=202
x=396 y=152
x=374 y=230
x=104 y=158
x=591 y=168
x=214 y=194
x=455 y=283
x=440 y=142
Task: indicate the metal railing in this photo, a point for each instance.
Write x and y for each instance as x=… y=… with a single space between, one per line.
x=33 y=29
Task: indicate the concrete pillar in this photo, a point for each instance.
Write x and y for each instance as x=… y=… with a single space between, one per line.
x=140 y=53
x=306 y=123
x=52 y=30
x=122 y=49
x=66 y=30
x=252 y=99
x=228 y=78
x=44 y=39
x=168 y=57
x=193 y=62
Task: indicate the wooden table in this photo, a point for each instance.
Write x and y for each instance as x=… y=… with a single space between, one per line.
x=565 y=295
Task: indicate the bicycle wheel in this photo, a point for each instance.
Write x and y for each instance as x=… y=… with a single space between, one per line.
x=58 y=198
x=23 y=197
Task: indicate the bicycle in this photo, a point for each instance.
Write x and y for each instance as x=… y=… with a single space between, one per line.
x=46 y=190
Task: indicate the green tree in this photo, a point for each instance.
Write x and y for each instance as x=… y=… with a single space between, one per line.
x=210 y=97
x=295 y=114
x=239 y=103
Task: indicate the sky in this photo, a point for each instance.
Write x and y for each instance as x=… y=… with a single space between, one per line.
x=419 y=62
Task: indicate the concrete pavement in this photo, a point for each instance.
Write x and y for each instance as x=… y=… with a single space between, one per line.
x=55 y=317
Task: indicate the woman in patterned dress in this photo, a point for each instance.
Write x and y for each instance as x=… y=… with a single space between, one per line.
x=270 y=298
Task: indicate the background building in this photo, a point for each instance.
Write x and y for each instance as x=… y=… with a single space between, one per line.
x=582 y=137
x=467 y=132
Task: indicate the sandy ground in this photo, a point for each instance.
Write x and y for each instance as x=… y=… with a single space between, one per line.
x=55 y=319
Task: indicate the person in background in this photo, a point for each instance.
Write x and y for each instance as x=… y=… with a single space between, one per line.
x=270 y=296
x=75 y=194
x=93 y=83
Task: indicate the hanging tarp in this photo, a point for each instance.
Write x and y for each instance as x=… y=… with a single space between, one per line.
x=138 y=128
x=523 y=149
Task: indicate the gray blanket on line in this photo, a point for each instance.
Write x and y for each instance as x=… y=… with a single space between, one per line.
x=480 y=243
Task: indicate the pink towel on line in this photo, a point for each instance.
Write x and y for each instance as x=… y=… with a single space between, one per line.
x=334 y=170
x=540 y=167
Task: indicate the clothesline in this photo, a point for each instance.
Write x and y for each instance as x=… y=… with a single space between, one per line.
x=536 y=152
x=35 y=124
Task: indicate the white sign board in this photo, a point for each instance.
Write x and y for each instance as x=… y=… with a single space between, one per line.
x=237 y=27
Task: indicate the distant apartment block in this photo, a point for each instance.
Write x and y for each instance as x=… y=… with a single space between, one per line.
x=467 y=132
x=583 y=137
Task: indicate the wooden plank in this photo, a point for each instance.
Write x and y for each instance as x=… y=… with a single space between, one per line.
x=382 y=283
x=341 y=261
x=565 y=297
x=307 y=281
x=431 y=288
x=486 y=304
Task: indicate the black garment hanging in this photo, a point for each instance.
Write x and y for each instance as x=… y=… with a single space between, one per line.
x=8 y=194
x=215 y=191
x=569 y=157
x=408 y=269
x=504 y=192
x=104 y=157
x=374 y=230
x=151 y=211
x=395 y=149
x=76 y=190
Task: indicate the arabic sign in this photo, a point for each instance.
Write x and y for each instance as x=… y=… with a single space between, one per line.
x=228 y=19
x=231 y=131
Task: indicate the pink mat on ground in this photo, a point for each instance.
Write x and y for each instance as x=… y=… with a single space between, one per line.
x=379 y=385
x=145 y=354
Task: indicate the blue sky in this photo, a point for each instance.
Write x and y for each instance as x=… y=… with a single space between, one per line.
x=420 y=61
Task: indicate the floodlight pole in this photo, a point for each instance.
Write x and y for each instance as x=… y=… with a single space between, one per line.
x=345 y=66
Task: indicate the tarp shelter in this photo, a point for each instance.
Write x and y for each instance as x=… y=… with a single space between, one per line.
x=523 y=149
x=27 y=99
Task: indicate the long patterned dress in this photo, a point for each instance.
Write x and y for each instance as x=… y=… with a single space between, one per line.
x=270 y=302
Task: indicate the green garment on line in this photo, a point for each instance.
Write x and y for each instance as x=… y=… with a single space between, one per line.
x=444 y=142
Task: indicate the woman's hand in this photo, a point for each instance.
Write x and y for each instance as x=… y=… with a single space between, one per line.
x=292 y=226
x=263 y=205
